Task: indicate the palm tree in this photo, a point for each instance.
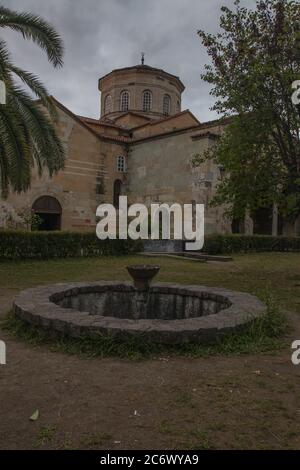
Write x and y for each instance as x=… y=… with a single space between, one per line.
x=27 y=132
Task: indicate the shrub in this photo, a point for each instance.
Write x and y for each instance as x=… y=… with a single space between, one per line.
x=46 y=245
x=227 y=244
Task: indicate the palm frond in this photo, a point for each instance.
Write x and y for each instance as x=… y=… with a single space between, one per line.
x=4 y=170
x=46 y=147
x=13 y=141
x=27 y=132
x=34 y=28
x=4 y=59
x=36 y=87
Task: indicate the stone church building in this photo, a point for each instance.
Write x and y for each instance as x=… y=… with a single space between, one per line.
x=142 y=146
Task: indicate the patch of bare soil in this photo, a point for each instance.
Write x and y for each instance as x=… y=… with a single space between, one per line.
x=241 y=402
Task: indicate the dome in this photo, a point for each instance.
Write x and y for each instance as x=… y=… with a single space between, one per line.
x=141 y=89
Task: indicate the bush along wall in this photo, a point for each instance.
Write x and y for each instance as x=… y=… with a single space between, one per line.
x=227 y=244
x=47 y=245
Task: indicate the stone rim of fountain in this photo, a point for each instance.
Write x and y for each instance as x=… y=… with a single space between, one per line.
x=36 y=306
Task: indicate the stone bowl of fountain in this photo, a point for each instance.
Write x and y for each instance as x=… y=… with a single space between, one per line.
x=165 y=313
x=142 y=275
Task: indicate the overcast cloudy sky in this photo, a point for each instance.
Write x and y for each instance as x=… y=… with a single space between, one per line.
x=101 y=35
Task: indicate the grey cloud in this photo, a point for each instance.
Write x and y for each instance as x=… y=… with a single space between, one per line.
x=101 y=35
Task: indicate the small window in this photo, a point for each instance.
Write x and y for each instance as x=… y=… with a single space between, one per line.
x=166 y=105
x=121 y=164
x=147 y=100
x=107 y=104
x=124 y=101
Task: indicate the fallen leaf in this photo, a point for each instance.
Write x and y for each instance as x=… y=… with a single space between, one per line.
x=35 y=415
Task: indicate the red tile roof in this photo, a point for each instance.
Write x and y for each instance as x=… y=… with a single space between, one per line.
x=166 y=118
x=98 y=122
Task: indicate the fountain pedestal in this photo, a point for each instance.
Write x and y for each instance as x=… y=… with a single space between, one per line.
x=142 y=275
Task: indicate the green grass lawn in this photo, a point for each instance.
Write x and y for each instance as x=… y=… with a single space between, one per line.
x=275 y=273
x=275 y=278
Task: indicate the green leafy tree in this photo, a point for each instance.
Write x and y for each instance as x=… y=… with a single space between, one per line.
x=27 y=131
x=255 y=58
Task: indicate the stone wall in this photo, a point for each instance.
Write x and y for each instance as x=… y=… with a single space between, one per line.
x=160 y=170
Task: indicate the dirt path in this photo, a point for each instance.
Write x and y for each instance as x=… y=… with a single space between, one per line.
x=220 y=402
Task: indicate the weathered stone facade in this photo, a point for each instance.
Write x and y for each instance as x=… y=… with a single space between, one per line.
x=141 y=146
x=161 y=171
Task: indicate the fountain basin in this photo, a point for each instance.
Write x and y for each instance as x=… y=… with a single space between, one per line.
x=166 y=313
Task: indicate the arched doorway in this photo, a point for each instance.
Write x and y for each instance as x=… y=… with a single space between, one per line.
x=117 y=192
x=49 y=210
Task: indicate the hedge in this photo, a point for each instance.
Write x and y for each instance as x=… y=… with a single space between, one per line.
x=16 y=245
x=227 y=244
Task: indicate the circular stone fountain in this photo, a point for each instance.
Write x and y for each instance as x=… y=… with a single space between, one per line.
x=161 y=313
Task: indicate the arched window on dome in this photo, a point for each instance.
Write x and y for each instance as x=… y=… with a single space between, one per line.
x=124 y=100
x=107 y=104
x=121 y=164
x=147 y=100
x=166 y=105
